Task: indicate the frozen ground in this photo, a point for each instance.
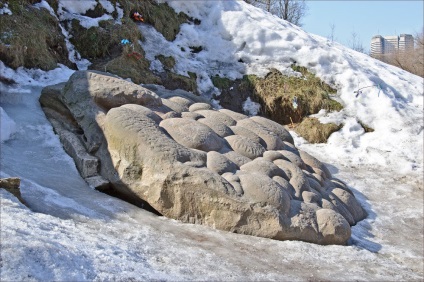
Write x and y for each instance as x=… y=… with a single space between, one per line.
x=72 y=233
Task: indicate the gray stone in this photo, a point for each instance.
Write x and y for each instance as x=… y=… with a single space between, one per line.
x=274 y=127
x=199 y=106
x=171 y=114
x=238 y=130
x=273 y=155
x=219 y=163
x=351 y=204
x=261 y=189
x=272 y=141
x=99 y=183
x=311 y=197
x=203 y=138
x=217 y=116
x=176 y=107
x=87 y=165
x=234 y=180
x=11 y=185
x=332 y=226
x=191 y=115
x=218 y=127
x=236 y=158
x=341 y=208
x=152 y=148
x=314 y=163
x=297 y=178
x=245 y=146
x=264 y=167
x=182 y=101
x=108 y=91
x=233 y=115
x=294 y=158
x=286 y=186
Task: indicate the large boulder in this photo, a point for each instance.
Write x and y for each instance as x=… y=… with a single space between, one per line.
x=196 y=164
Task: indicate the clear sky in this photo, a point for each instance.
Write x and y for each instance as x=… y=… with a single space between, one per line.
x=365 y=18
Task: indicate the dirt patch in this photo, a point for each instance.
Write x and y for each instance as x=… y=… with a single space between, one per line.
x=31 y=38
x=11 y=185
x=366 y=127
x=314 y=131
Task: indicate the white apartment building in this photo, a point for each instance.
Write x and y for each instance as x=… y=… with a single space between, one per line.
x=390 y=44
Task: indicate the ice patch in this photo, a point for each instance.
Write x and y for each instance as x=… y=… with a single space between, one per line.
x=7 y=126
x=36 y=77
x=77 y=6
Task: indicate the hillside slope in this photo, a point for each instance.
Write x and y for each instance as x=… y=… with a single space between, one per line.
x=232 y=40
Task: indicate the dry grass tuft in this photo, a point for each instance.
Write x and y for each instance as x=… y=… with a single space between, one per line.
x=31 y=38
x=276 y=92
x=314 y=131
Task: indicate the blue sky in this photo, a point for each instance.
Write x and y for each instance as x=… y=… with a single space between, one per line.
x=365 y=18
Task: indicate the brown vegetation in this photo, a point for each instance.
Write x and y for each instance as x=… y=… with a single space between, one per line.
x=20 y=45
x=314 y=131
x=275 y=93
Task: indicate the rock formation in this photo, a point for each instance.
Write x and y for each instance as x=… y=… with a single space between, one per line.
x=191 y=162
x=11 y=184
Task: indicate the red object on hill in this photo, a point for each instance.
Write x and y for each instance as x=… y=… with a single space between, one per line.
x=136 y=55
x=137 y=17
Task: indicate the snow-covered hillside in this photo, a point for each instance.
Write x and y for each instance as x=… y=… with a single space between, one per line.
x=74 y=233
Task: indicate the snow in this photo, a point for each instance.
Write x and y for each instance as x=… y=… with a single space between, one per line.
x=74 y=233
x=77 y=6
x=7 y=126
x=250 y=107
x=69 y=10
x=5 y=10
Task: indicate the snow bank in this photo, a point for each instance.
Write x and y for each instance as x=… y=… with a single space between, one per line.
x=7 y=126
x=36 y=77
x=250 y=107
x=5 y=10
x=76 y=9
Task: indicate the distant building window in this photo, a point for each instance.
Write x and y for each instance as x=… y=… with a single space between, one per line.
x=389 y=44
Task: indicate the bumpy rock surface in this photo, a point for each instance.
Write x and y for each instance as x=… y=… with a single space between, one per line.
x=196 y=164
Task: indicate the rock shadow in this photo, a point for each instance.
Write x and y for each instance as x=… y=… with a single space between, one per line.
x=362 y=235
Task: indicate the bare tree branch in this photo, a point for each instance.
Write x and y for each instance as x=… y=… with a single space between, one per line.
x=289 y=10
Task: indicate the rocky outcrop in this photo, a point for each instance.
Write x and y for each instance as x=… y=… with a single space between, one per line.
x=196 y=164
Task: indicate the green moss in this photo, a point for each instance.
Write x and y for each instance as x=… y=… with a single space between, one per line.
x=105 y=40
x=129 y=67
x=167 y=62
x=97 y=12
x=221 y=82
x=31 y=37
x=175 y=81
x=162 y=17
x=314 y=131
